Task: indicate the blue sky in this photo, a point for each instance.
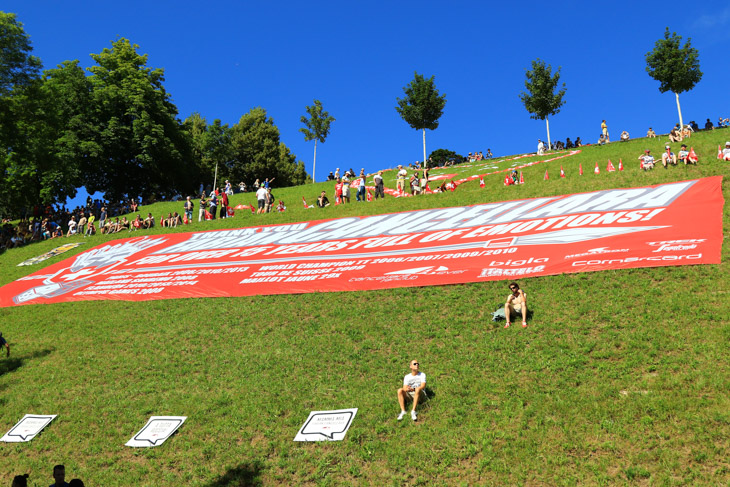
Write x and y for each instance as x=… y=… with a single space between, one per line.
x=223 y=58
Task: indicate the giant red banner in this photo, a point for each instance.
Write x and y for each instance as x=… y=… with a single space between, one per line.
x=664 y=225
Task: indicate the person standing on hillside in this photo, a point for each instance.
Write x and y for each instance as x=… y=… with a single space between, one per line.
x=361 y=186
x=400 y=182
x=4 y=343
x=414 y=385
x=604 y=131
x=379 y=188
x=516 y=304
x=261 y=195
x=203 y=204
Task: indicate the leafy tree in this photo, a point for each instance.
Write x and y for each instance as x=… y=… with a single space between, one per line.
x=257 y=153
x=17 y=66
x=541 y=99
x=676 y=67
x=56 y=137
x=211 y=147
x=317 y=128
x=135 y=143
x=422 y=106
x=440 y=156
x=19 y=81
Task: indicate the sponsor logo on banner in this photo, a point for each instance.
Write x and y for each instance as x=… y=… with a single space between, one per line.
x=676 y=245
x=668 y=224
x=596 y=251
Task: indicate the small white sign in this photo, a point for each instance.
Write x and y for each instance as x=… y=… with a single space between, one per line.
x=27 y=428
x=156 y=431
x=326 y=425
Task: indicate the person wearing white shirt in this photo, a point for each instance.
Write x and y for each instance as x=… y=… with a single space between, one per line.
x=414 y=385
x=726 y=152
x=261 y=196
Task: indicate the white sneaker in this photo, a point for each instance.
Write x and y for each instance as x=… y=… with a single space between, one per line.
x=413 y=415
x=400 y=416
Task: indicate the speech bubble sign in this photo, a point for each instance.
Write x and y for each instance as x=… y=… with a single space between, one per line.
x=156 y=431
x=27 y=428
x=326 y=425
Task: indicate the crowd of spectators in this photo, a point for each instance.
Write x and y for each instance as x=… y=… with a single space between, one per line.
x=48 y=222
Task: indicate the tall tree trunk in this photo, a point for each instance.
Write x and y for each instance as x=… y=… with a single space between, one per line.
x=547 y=124
x=424 y=148
x=215 y=178
x=314 y=163
x=679 y=110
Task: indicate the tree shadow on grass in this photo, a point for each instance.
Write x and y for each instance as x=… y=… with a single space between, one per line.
x=244 y=475
x=13 y=363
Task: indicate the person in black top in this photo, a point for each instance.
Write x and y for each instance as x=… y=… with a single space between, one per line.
x=322 y=201
x=4 y=343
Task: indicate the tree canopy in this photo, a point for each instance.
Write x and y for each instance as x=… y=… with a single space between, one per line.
x=316 y=128
x=18 y=67
x=676 y=67
x=541 y=99
x=422 y=106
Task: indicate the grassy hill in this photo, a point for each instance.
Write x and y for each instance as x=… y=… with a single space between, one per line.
x=622 y=378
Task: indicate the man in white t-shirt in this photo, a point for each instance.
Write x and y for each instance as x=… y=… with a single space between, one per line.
x=261 y=196
x=414 y=385
x=726 y=152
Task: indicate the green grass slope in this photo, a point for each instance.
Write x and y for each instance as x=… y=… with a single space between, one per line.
x=622 y=378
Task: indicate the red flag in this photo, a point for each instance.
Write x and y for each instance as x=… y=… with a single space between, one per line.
x=481 y=182
x=369 y=196
x=596 y=170
x=692 y=155
x=507 y=180
x=719 y=151
x=562 y=173
x=230 y=211
x=453 y=185
x=185 y=219
x=337 y=200
x=546 y=177
x=427 y=189
x=305 y=202
x=620 y=164
x=581 y=168
x=208 y=216
x=610 y=167
x=522 y=179
x=253 y=210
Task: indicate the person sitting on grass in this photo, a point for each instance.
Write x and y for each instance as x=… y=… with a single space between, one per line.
x=624 y=136
x=726 y=152
x=149 y=222
x=684 y=155
x=516 y=304
x=675 y=135
x=322 y=201
x=650 y=133
x=647 y=160
x=668 y=157
x=414 y=385
x=71 y=227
